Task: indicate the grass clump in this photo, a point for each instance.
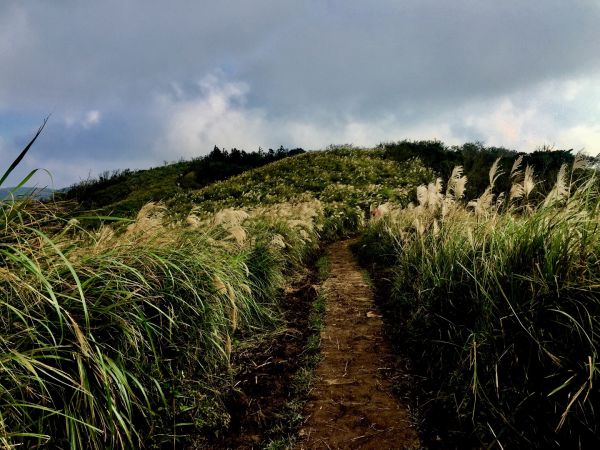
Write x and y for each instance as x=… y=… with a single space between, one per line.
x=497 y=301
x=120 y=337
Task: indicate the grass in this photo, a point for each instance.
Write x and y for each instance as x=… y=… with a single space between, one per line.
x=496 y=300
x=351 y=177
x=323 y=267
x=124 y=192
x=121 y=336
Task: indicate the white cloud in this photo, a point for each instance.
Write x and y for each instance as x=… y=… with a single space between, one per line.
x=91 y=118
x=219 y=115
x=85 y=120
x=564 y=114
x=581 y=137
x=305 y=74
x=216 y=117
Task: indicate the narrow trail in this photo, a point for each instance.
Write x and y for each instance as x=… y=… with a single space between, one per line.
x=351 y=405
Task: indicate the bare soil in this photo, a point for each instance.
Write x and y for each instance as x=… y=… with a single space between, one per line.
x=259 y=407
x=351 y=405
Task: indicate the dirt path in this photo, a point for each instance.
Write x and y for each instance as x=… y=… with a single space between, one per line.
x=351 y=405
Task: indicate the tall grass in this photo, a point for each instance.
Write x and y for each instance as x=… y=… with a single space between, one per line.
x=498 y=302
x=120 y=336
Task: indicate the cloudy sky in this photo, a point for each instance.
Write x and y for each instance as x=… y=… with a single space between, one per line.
x=135 y=83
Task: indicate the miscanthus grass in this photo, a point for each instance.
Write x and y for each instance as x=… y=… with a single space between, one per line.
x=120 y=336
x=498 y=302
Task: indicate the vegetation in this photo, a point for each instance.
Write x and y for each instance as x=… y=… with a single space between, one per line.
x=475 y=158
x=347 y=181
x=124 y=192
x=222 y=164
x=121 y=334
x=497 y=302
x=125 y=333
x=339 y=175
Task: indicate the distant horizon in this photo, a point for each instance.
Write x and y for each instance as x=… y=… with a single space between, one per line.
x=91 y=176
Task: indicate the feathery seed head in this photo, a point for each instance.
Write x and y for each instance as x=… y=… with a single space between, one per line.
x=495 y=172
x=238 y=234
x=528 y=181
x=515 y=170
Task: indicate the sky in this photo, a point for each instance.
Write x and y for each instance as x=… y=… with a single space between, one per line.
x=135 y=83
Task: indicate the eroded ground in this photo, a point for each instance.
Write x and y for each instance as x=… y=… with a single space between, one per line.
x=351 y=405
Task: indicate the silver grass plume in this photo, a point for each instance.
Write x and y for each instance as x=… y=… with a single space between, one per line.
x=456 y=183
x=422 y=195
x=580 y=162
x=495 y=172
x=528 y=181
x=515 y=171
x=560 y=190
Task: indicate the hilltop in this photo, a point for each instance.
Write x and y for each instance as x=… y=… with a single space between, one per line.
x=124 y=192
x=356 y=177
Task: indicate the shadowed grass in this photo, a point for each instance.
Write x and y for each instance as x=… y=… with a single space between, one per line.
x=498 y=303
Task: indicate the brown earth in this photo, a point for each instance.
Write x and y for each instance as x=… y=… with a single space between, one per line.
x=259 y=407
x=351 y=405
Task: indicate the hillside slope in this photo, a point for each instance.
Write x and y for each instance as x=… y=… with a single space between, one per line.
x=354 y=177
x=124 y=192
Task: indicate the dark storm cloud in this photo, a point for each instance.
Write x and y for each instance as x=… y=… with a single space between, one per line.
x=124 y=77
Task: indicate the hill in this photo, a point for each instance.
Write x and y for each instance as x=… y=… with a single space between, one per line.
x=355 y=177
x=124 y=192
x=155 y=332
x=26 y=191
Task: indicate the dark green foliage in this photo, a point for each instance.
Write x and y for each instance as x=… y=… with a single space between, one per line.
x=124 y=192
x=476 y=160
x=222 y=164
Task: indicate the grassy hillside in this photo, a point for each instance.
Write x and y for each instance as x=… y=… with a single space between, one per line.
x=351 y=176
x=346 y=181
x=124 y=192
x=122 y=334
x=322 y=174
